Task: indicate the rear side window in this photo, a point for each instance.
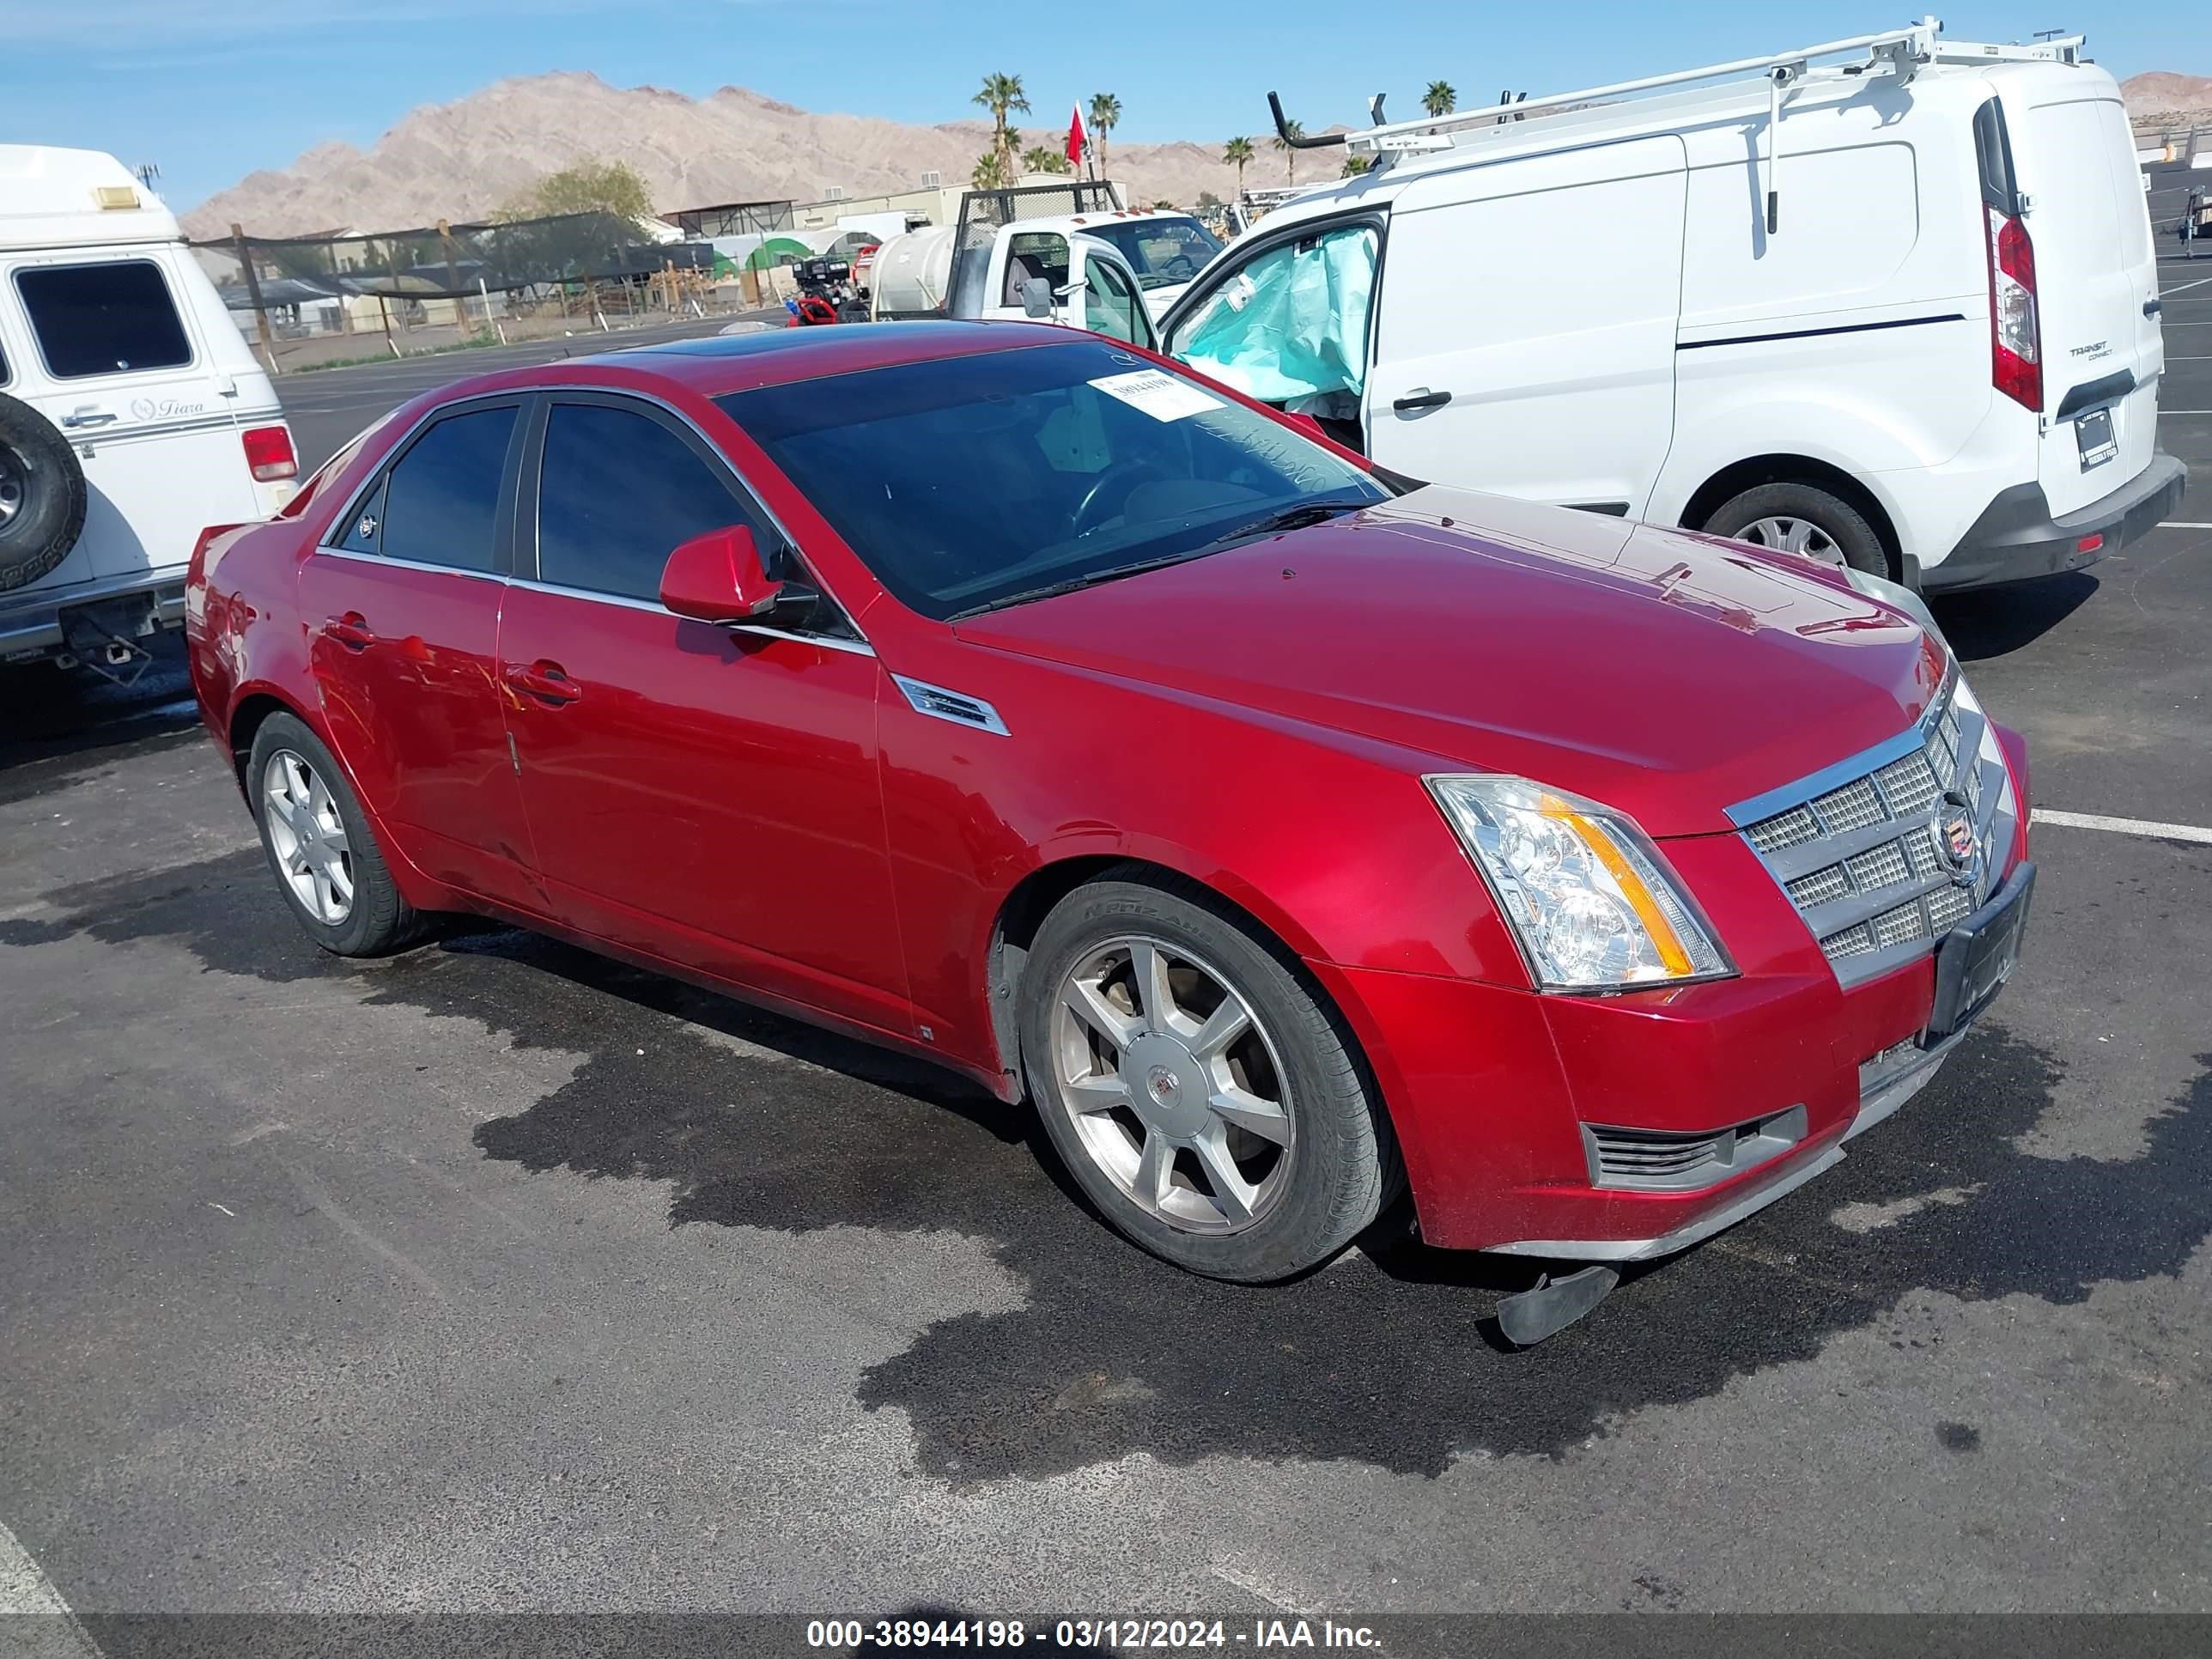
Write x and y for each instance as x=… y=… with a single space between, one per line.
x=441 y=501
x=617 y=493
x=111 y=319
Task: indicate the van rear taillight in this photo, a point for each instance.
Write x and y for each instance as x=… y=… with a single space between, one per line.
x=2015 y=336
x=268 y=454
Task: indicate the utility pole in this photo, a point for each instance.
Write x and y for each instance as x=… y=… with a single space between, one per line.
x=253 y=292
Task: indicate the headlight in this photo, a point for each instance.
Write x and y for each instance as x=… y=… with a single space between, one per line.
x=1580 y=886
x=1990 y=752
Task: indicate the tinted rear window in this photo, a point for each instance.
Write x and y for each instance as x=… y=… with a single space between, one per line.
x=103 y=320
x=441 y=500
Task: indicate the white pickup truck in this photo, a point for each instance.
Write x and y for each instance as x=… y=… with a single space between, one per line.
x=1128 y=266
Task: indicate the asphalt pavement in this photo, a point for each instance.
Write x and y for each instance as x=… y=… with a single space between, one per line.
x=495 y=1276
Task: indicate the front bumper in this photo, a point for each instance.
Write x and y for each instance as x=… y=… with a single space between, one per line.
x=1496 y=1093
x=2017 y=537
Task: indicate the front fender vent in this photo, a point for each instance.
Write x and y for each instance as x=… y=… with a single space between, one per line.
x=939 y=703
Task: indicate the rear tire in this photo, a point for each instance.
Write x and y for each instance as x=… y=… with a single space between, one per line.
x=42 y=495
x=320 y=846
x=1302 y=1160
x=1824 y=526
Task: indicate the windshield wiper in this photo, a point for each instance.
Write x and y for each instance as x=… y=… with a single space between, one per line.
x=1072 y=583
x=1287 y=518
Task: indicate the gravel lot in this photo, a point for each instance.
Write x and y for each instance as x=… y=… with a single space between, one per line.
x=498 y=1277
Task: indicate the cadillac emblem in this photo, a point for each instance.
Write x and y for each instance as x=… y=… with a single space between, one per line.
x=1954 y=834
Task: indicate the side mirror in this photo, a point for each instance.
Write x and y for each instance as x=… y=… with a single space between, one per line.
x=719 y=577
x=1305 y=423
x=1035 y=294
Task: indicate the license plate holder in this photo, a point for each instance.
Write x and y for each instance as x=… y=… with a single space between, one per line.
x=1978 y=956
x=2094 y=438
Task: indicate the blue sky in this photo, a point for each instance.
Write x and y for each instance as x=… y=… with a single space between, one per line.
x=211 y=89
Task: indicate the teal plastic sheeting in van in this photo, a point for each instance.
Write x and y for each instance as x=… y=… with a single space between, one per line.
x=1292 y=325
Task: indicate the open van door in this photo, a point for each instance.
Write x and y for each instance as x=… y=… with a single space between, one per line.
x=2094 y=276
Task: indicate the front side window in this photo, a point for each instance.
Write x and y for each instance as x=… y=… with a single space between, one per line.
x=1162 y=251
x=617 y=493
x=1110 y=308
x=440 y=502
x=1037 y=253
x=1290 y=327
x=111 y=318
x=970 y=483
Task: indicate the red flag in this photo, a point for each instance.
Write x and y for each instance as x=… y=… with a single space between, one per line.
x=1075 y=138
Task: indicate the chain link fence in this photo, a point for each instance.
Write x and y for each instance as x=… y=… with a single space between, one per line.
x=310 y=302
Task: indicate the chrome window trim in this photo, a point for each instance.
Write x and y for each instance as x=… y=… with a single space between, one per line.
x=323 y=550
x=654 y=607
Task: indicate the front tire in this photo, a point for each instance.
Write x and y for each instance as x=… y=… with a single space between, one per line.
x=1803 y=518
x=1206 y=1100
x=320 y=846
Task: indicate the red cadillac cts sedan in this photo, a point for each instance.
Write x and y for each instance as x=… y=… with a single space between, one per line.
x=1291 y=835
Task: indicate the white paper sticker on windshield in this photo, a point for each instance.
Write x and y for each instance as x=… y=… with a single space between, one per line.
x=1160 y=395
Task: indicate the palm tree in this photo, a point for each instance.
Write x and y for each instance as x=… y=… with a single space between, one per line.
x=1002 y=95
x=1355 y=165
x=1105 y=111
x=990 y=172
x=1237 y=152
x=1283 y=142
x=1043 y=158
x=1440 y=99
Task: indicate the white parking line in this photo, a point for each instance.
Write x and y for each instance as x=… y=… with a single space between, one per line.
x=53 y=1631
x=2124 y=826
x=2184 y=524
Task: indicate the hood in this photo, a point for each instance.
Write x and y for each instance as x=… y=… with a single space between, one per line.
x=1667 y=674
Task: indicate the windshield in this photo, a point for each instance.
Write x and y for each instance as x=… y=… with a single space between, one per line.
x=1162 y=251
x=972 y=482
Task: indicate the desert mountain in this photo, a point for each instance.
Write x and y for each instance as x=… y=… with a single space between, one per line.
x=2157 y=92
x=460 y=160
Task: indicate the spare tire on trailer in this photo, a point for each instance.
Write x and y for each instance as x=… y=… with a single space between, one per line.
x=41 y=495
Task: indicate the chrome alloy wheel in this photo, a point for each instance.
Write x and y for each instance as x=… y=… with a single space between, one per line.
x=1793 y=536
x=11 y=490
x=308 y=837
x=1173 y=1084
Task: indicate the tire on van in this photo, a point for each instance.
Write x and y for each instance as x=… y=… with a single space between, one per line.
x=1802 y=518
x=42 y=497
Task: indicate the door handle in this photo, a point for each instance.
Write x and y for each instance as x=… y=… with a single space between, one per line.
x=88 y=417
x=547 y=681
x=351 y=630
x=2151 y=308
x=1420 y=398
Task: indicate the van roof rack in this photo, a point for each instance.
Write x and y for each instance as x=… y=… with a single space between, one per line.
x=1907 y=50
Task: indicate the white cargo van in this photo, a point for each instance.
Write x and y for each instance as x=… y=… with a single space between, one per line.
x=1900 y=311
x=132 y=413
